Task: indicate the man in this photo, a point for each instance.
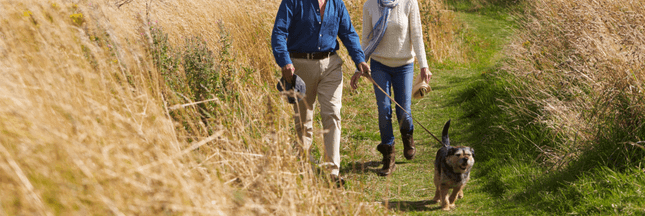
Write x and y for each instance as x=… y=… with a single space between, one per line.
x=304 y=42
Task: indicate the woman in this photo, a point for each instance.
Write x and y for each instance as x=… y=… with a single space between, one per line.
x=392 y=37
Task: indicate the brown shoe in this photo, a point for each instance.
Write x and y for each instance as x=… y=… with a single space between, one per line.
x=408 y=146
x=389 y=164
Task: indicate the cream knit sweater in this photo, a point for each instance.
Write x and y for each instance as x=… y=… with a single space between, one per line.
x=403 y=40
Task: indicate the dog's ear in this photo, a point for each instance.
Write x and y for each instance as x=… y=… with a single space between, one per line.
x=472 y=151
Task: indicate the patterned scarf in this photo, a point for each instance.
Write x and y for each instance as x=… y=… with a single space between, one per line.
x=381 y=25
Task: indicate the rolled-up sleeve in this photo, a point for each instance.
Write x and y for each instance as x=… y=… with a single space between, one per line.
x=281 y=32
x=349 y=37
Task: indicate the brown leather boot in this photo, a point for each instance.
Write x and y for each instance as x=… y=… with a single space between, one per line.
x=388 y=159
x=408 y=146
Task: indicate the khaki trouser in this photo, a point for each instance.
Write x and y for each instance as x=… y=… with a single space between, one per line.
x=324 y=79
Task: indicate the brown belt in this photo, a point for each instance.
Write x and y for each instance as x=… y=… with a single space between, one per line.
x=315 y=55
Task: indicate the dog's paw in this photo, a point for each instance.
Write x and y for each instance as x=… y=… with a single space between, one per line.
x=446 y=206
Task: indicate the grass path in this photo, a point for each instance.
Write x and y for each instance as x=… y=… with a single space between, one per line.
x=410 y=189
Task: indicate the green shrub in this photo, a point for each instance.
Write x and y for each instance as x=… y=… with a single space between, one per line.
x=193 y=73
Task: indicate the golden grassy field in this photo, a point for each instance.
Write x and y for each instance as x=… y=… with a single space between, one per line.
x=100 y=113
x=89 y=125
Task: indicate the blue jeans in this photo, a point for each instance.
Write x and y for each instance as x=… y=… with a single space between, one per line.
x=400 y=80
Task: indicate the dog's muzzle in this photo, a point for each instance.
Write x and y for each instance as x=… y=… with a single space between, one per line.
x=463 y=163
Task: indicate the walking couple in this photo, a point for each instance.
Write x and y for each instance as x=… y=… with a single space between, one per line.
x=304 y=43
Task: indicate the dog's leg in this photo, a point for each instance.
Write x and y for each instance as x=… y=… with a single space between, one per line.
x=453 y=196
x=437 y=197
x=437 y=184
x=445 y=203
x=461 y=193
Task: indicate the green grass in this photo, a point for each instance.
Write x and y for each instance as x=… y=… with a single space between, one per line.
x=605 y=179
x=508 y=177
x=410 y=188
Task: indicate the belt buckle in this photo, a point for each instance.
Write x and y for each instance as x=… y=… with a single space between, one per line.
x=310 y=56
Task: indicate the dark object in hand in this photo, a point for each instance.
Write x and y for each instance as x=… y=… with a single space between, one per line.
x=297 y=85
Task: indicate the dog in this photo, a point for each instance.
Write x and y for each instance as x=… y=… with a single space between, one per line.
x=451 y=170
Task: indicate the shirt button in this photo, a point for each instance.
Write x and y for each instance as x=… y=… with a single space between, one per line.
x=320 y=35
x=318 y=48
x=319 y=22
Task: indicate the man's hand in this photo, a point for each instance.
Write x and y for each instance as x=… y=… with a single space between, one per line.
x=287 y=73
x=354 y=82
x=365 y=69
x=426 y=75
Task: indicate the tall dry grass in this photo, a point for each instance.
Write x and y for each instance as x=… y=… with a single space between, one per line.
x=581 y=65
x=90 y=125
x=441 y=32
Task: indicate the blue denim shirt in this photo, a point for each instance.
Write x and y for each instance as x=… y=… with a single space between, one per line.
x=298 y=28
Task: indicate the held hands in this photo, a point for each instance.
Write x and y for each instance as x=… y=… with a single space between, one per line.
x=425 y=74
x=363 y=70
x=287 y=72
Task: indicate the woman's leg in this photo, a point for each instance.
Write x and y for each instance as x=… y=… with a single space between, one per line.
x=382 y=77
x=402 y=82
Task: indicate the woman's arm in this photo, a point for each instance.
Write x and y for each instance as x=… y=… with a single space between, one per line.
x=367 y=26
x=416 y=34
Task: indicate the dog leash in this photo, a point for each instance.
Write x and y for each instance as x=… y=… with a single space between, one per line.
x=388 y=95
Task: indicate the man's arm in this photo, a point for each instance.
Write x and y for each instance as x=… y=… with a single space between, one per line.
x=281 y=32
x=279 y=39
x=367 y=28
x=350 y=38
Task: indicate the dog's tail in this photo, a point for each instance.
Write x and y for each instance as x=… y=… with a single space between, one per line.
x=444 y=135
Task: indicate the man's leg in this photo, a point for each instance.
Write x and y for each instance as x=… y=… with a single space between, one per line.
x=330 y=91
x=308 y=71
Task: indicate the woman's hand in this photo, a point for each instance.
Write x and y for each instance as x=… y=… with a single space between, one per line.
x=355 y=78
x=425 y=74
